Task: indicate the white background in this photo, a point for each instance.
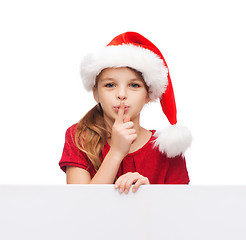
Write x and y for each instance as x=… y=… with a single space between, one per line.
x=41 y=94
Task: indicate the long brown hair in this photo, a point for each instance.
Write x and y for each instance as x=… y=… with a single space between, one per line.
x=91 y=135
x=91 y=132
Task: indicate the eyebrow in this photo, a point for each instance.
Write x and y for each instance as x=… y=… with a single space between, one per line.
x=107 y=79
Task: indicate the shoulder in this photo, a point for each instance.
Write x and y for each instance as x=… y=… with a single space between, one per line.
x=75 y=131
x=149 y=147
x=70 y=132
x=153 y=133
x=152 y=140
x=72 y=129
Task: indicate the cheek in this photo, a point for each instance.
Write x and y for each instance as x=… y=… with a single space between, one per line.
x=144 y=97
x=104 y=98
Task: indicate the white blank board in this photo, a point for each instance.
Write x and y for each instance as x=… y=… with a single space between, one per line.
x=101 y=212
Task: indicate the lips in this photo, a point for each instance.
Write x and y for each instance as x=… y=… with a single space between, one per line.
x=116 y=108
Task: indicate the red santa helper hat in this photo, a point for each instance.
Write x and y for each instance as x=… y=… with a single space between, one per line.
x=131 y=49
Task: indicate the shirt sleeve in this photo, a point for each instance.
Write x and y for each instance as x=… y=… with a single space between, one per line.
x=71 y=155
x=177 y=172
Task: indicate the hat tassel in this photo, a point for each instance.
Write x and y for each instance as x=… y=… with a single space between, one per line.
x=173 y=140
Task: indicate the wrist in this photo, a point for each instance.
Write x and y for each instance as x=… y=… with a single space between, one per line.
x=115 y=155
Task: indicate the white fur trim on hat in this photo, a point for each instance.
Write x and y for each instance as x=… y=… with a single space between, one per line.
x=127 y=55
x=173 y=140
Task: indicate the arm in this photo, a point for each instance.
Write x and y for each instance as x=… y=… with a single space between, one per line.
x=77 y=175
x=123 y=134
x=105 y=175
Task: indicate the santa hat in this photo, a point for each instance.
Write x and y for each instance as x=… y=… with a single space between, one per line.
x=131 y=49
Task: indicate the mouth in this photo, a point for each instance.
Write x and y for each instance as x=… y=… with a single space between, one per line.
x=116 y=108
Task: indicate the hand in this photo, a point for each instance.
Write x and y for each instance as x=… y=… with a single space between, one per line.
x=123 y=133
x=125 y=181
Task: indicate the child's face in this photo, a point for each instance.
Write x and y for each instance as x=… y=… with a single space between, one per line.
x=120 y=84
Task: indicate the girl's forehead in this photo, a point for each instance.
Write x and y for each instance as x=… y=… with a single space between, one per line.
x=121 y=73
x=117 y=71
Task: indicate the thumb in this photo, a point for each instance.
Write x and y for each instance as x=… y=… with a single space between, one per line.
x=126 y=119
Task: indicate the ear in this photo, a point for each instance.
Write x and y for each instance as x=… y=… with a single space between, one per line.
x=95 y=94
x=148 y=99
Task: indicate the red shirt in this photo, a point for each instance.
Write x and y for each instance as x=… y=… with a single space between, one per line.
x=147 y=161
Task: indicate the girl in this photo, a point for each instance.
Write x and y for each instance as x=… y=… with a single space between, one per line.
x=108 y=145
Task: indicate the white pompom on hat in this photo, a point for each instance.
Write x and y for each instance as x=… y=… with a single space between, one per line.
x=131 y=49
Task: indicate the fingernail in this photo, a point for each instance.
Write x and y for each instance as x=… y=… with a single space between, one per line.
x=126 y=191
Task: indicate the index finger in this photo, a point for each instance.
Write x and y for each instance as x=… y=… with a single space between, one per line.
x=120 y=115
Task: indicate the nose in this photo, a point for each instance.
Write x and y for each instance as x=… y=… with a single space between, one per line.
x=122 y=94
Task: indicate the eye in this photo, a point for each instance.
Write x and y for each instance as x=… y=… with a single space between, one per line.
x=110 y=85
x=134 y=85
